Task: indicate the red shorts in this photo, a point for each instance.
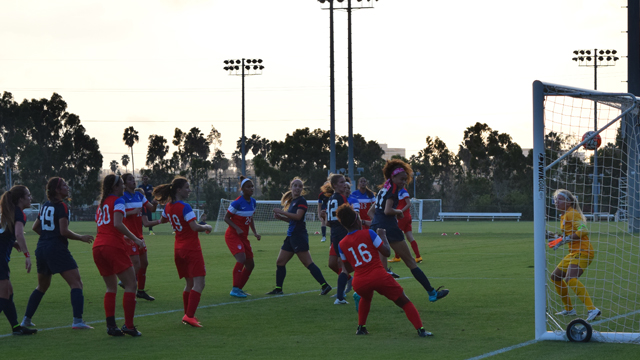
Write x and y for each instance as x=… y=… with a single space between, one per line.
x=405 y=224
x=238 y=244
x=132 y=248
x=111 y=260
x=332 y=252
x=379 y=281
x=189 y=263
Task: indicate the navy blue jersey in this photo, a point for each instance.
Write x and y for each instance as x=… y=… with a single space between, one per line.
x=50 y=215
x=7 y=237
x=148 y=191
x=299 y=225
x=380 y=219
x=322 y=201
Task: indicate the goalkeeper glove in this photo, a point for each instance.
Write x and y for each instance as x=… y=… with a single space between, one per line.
x=564 y=240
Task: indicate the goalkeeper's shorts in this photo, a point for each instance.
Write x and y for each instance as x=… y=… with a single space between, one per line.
x=578 y=258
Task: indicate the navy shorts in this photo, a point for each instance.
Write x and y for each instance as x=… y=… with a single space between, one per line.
x=394 y=234
x=337 y=234
x=4 y=269
x=54 y=259
x=296 y=243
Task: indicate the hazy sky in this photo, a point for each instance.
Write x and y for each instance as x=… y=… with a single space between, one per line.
x=421 y=68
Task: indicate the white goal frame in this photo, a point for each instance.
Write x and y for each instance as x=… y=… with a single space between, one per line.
x=540 y=93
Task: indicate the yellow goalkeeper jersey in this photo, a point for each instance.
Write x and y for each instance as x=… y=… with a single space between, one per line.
x=574 y=223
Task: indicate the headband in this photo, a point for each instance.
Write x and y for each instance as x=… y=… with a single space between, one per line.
x=58 y=183
x=563 y=195
x=243 y=182
x=115 y=182
x=397 y=171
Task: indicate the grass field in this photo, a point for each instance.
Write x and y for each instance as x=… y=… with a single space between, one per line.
x=488 y=268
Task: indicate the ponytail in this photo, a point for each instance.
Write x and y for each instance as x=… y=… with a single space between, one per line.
x=8 y=203
x=167 y=192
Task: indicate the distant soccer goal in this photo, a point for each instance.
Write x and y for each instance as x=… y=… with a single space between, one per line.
x=587 y=143
x=421 y=210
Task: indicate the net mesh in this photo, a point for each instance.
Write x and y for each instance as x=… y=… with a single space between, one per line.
x=600 y=182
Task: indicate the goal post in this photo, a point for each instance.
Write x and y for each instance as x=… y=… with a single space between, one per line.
x=585 y=141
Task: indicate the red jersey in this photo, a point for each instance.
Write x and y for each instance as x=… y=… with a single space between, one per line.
x=180 y=215
x=241 y=212
x=403 y=200
x=360 y=249
x=132 y=202
x=108 y=235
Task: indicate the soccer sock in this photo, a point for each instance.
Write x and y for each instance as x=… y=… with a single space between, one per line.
x=414 y=246
x=237 y=274
x=395 y=256
x=110 y=304
x=129 y=306
x=142 y=278
x=342 y=283
x=582 y=293
x=422 y=279
x=281 y=272
x=185 y=300
x=363 y=311
x=316 y=273
x=9 y=309
x=194 y=300
x=244 y=277
x=324 y=231
x=77 y=302
x=563 y=290
x=412 y=314
x=34 y=302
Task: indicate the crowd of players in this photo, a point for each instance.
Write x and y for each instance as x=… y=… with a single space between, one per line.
x=365 y=226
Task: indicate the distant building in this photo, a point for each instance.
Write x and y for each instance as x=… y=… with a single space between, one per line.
x=389 y=152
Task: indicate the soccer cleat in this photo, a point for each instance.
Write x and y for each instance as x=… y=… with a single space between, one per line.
x=114 y=331
x=143 y=295
x=356 y=299
x=424 y=333
x=27 y=322
x=340 y=302
x=419 y=259
x=276 y=291
x=246 y=293
x=395 y=259
x=21 y=330
x=349 y=286
x=437 y=294
x=81 y=326
x=362 y=330
x=133 y=331
x=237 y=292
x=191 y=321
x=323 y=239
x=325 y=289
x=571 y=312
x=394 y=275
x=593 y=314
x=151 y=232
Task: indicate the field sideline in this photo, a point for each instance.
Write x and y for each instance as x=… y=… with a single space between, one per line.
x=488 y=268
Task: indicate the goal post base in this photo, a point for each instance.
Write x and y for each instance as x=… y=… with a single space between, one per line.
x=605 y=337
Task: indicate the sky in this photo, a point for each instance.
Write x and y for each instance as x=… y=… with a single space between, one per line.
x=420 y=68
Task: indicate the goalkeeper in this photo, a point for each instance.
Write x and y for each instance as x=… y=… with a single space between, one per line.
x=580 y=255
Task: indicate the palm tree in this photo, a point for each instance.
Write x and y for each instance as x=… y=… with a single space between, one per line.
x=113 y=166
x=130 y=137
x=125 y=161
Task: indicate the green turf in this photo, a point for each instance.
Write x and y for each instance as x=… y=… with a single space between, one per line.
x=488 y=268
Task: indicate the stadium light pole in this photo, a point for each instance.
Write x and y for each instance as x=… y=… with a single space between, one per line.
x=600 y=58
x=237 y=68
x=332 y=91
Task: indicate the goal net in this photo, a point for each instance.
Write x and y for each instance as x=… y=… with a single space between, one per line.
x=421 y=210
x=586 y=142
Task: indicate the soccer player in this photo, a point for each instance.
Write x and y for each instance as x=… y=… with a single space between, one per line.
x=297 y=240
x=52 y=253
x=323 y=198
x=141 y=275
x=239 y=217
x=359 y=252
x=365 y=198
x=397 y=173
x=148 y=193
x=111 y=258
x=134 y=202
x=338 y=183
x=581 y=254
x=187 y=251
x=404 y=204
x=12 y=221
